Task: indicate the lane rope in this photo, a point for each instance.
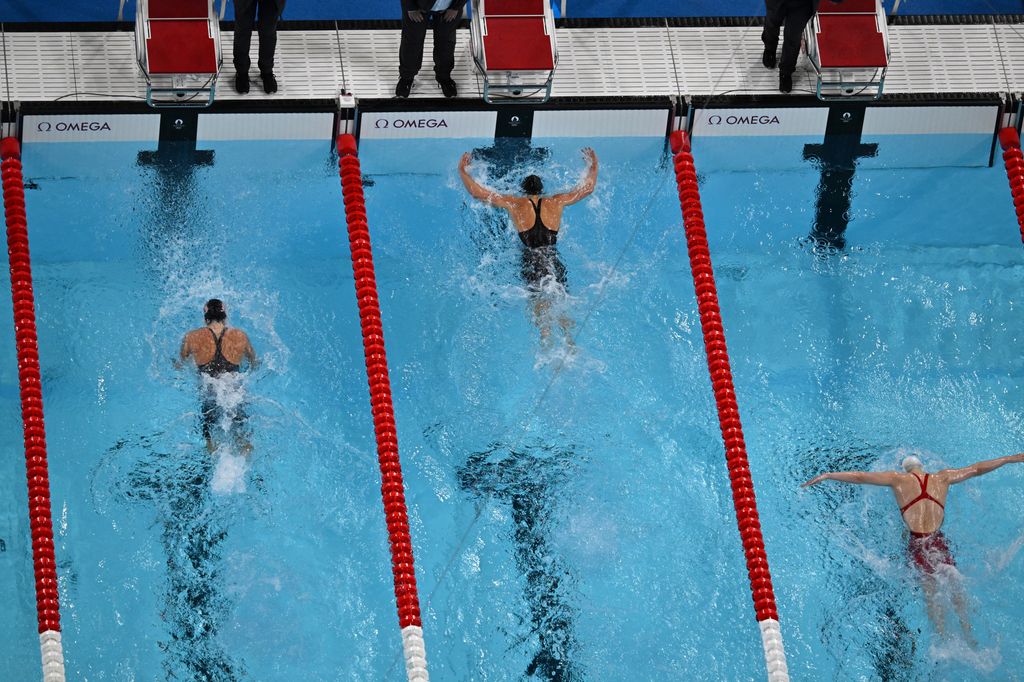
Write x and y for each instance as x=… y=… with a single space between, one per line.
x=392 y=490
x=26 y=342
x=728 y=411
x=1013 y=160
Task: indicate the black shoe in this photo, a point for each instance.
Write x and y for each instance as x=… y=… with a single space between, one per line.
x=448 y=87
x=403 y=88
x=768 y=58
x=269 y=82
x=785 y=82
x=241 y=82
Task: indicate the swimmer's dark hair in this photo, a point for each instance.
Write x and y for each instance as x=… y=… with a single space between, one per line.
x=532 y=185
x=214 y=311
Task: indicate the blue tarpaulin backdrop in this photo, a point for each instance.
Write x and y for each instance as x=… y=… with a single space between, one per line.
x=106 y=10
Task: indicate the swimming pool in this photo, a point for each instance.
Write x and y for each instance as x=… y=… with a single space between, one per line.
x=570 y=511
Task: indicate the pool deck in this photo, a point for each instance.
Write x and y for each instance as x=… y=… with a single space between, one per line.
x=594 y=62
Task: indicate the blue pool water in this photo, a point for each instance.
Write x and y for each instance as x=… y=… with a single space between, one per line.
x=570 y=512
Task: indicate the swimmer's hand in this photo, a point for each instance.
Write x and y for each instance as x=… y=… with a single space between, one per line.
x=464 y=161
x=589 y=154
x=816 y=480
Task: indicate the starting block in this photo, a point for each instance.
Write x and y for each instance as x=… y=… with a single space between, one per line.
x=177 y=45
x=513 y=45
x=848 y=45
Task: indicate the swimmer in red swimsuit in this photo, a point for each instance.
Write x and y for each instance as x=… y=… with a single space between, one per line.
x=922 y=501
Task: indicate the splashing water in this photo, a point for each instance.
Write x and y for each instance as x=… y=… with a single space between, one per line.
x=229 y=472
x=956 y=649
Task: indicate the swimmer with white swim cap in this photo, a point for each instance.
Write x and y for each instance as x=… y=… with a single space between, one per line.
x=922 y=501
x=910 y=462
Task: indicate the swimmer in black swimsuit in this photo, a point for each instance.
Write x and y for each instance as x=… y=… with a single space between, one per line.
x=218 y=352
x=540 y=257
x=537 y=219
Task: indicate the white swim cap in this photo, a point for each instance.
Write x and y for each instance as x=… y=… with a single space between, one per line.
x=911 y=462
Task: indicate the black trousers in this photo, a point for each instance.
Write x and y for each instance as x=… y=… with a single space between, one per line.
x=410 y=53
x=794 y=15
x=245 y=19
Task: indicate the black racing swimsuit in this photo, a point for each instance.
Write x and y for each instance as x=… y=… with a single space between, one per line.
x=211 y=410
x=540 y=257
x=219 y=364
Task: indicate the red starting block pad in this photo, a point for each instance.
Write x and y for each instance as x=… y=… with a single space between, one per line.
x=178 y=50
x=179 y=9
x=181 y=46
x=513 y=43
x=848 y=46
x=847 y=7
x=517 y=44
x=851 y=41
x=496 y=8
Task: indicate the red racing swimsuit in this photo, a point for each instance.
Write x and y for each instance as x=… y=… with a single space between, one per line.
x=927 y=551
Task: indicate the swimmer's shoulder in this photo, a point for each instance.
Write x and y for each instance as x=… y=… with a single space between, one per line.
x=236 y=335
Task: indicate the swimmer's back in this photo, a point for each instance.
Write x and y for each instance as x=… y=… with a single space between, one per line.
x=922 y=514
x=523 y=213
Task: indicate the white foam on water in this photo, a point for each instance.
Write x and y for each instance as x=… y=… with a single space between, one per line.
x=563 y=357
x=229 y=472
x=485 y=287
x=958 y=650
x=228 y=390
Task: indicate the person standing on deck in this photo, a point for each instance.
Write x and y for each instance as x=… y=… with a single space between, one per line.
x=443 y=17
x=794 y=15
x=922 y=501
x=246 y=11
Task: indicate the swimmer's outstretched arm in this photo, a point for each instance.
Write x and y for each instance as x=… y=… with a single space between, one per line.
x=250 y=354
x=978 y=468
x=183 y=354
x=586 y=186
x=478 y=191
x=886 y=478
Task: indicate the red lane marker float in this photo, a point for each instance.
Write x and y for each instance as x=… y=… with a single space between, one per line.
x=47 y=603
x=383 y=412
x=1013 y=159
x=728 y=412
